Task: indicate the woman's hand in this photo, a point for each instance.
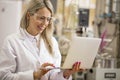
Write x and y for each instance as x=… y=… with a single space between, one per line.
x=75 y=68
x=42 y=70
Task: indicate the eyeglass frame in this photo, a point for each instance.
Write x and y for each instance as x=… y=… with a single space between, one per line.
x=43 y=18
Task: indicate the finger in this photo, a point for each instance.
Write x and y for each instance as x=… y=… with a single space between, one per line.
x=43 y=71
x=75 y=64
x=74 y=67
x=47 y=64
x=78 y=66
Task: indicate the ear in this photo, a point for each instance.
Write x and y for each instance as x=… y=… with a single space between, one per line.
x=28 y=15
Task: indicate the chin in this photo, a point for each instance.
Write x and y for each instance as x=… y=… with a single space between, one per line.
x=40 y=32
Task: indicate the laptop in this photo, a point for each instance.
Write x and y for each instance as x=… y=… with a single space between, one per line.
x=84 y=50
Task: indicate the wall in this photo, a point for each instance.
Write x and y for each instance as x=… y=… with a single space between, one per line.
x=10 y=12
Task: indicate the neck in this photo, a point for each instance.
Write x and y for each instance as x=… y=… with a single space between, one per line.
x=30 y=31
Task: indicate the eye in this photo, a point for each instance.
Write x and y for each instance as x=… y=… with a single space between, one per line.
x=49 y=19
x=41 y=18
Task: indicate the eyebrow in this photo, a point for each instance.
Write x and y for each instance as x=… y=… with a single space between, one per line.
x=42 y=15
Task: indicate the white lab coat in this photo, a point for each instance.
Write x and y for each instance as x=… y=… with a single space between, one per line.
x=19 y=58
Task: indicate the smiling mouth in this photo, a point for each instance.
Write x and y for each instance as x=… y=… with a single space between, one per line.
x=40 y=28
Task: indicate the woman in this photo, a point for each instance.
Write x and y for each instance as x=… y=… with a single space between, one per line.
x=26 y=54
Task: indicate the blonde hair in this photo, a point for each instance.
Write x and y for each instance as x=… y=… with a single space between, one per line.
x=32 y=8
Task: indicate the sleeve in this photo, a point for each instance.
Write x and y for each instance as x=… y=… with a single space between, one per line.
x=56 y=74
x=8 y=64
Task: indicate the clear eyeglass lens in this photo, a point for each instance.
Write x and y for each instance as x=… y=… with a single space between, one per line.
x=42 y=18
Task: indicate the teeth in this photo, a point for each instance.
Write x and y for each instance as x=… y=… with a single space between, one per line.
x=40 y=27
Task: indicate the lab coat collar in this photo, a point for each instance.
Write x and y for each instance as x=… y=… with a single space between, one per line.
x=31 y=37
x=24 y=34
x=28 y=44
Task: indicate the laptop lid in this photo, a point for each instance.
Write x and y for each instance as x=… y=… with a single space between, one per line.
x=83 y=49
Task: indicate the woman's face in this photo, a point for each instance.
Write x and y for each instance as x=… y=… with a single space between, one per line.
x=39 y=21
